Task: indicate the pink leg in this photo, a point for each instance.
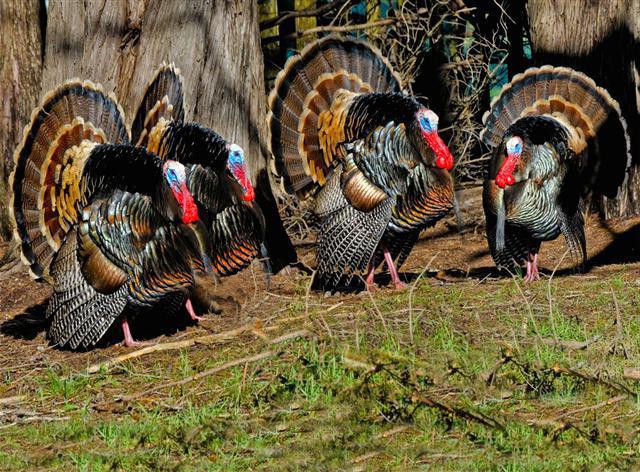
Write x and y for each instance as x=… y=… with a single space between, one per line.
x=370 y=272
x=128 y=338
x=532 y=268
x=392 y=270
x=191 y=311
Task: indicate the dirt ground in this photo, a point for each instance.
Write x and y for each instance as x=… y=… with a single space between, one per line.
x=452 y=261
x=446 y=253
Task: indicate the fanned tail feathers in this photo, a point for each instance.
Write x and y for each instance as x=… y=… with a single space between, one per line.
x=305 y=90
x=577 y=102
x=45 y=183
x=163 y=100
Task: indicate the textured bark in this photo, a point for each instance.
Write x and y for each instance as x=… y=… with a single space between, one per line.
x=216 y=44
x=602 y=39
x=20 y=72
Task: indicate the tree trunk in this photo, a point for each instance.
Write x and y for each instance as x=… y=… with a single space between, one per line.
x=20 y=72
x=602 y=39
x=215 y=43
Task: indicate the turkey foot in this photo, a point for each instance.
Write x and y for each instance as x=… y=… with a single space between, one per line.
x=399 y=284
x=532 y=269
x=191 y=311
x=128 y=338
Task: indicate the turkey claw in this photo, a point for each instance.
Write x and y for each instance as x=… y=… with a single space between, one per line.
x=191 y=311
x=133 y=343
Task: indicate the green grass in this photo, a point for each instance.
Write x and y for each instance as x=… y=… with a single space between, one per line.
x=481 y=381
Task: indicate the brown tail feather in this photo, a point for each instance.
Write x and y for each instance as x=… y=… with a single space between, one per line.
x=536 y=91
x=586 y=110
x=46 y=178
x=163 y=98
x=307 y=87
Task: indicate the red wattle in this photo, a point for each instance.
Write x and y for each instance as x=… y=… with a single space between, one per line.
x=189 y=208
x=249 y=194
x=444 y=159
x=504 y=176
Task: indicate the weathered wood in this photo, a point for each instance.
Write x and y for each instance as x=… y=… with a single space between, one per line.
x=215 y=43
x=602 y=39
x=20 y=72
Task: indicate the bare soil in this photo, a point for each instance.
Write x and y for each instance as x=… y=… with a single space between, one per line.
x=444 y=253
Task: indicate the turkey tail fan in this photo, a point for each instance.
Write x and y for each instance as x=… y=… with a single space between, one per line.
x=48 y=162
x=306 y=88
x=80 y=314
x=575 y=100
x=163 y=99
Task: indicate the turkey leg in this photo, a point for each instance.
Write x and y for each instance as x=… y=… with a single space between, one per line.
x=370 y=272
x=532 y=268
x=128 y=338
x=399 y=284
x=191 y=311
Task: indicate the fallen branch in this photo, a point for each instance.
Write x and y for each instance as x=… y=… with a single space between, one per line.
x=200 y=375
x=571 y=345
x=456 y=411
x=12 y=400
x=208 y=339
x=595 y=379
x=610 y=401
x=490 y=375
x=228 y=365
x=619 y=336
x=631 y=373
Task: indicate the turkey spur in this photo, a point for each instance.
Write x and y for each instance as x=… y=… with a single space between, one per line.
x=370 y=156
x=544 y=129
x=113 y=228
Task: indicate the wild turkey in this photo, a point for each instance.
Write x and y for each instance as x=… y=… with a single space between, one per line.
x=217 y=178
x=546 y=159
x=370 y=156
x=112 y=227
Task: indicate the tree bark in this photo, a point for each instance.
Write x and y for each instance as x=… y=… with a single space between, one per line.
x=20 y=72
x=602 y=39
x=215 y=43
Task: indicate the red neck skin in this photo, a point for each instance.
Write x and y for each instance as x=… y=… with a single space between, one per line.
x=189 y=208
x=444 y=159
x=504 y=176
x=240 y=174
x=249 y=194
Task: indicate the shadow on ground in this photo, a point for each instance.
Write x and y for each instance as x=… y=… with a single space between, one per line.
x=27 y=325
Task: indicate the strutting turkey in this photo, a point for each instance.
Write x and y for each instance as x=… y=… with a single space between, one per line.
x=544 y=128
x=110 y=226
x=218 y=177
x=343 y=133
